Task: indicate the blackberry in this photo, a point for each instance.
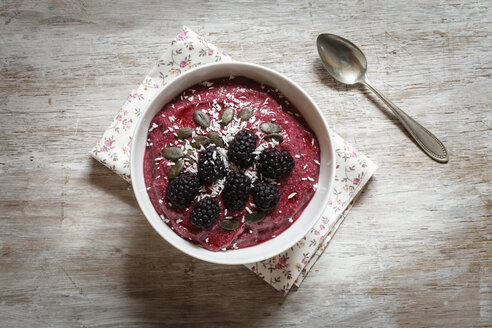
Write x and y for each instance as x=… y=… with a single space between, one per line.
x=210 y=166
x=274 y=163
x=183 y=189
x=265 y=196
x=205 y=212
x=241 y=149
x=236 y=191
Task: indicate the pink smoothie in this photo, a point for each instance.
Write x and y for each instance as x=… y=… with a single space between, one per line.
x=212 y=97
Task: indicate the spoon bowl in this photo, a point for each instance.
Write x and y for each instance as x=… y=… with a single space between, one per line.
x=346 y=63
x=342 y=59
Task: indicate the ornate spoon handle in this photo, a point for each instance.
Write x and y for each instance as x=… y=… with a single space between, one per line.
x=426 y=140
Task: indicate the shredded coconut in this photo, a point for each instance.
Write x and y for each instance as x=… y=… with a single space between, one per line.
x=163 y=218
x=153 y=127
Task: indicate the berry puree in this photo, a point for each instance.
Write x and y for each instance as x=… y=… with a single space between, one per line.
x=258 y=170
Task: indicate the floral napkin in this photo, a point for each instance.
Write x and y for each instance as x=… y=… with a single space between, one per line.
x=353 y=169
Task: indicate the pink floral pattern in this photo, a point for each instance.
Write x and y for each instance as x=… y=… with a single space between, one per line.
x=353 y=169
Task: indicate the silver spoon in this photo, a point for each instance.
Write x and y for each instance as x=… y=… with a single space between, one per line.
x=347 y=64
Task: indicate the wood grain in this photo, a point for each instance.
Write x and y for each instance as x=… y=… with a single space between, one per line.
x=415 y=251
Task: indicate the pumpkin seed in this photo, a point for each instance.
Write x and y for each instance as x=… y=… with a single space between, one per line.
x=216 y=139
x=176 y=169
x=274 y=136
x=172 y=153
x=229 y=224
x=255 y=217
x=184 y=133
x=201 y=119
x=199 y=141
x=227 y=116
x=246 y=113
x=270 y=127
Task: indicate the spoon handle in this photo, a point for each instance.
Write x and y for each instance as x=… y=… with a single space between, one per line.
x=426 y=140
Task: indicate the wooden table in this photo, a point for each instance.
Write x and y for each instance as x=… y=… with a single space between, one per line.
x=416 y=250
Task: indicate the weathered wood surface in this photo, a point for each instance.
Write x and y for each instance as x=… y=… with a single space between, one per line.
x=76 y=251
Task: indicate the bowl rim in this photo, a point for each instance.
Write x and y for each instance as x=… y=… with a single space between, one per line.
x=195 y=250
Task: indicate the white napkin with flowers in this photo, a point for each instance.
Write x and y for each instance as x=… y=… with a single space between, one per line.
x=353 y=169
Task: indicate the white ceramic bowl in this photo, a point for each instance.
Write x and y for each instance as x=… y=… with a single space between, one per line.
x=311 y=113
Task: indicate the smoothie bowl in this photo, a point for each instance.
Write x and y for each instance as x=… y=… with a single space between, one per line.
x=232 y=163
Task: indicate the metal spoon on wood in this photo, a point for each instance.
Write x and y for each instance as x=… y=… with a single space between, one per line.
x=347 y=64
